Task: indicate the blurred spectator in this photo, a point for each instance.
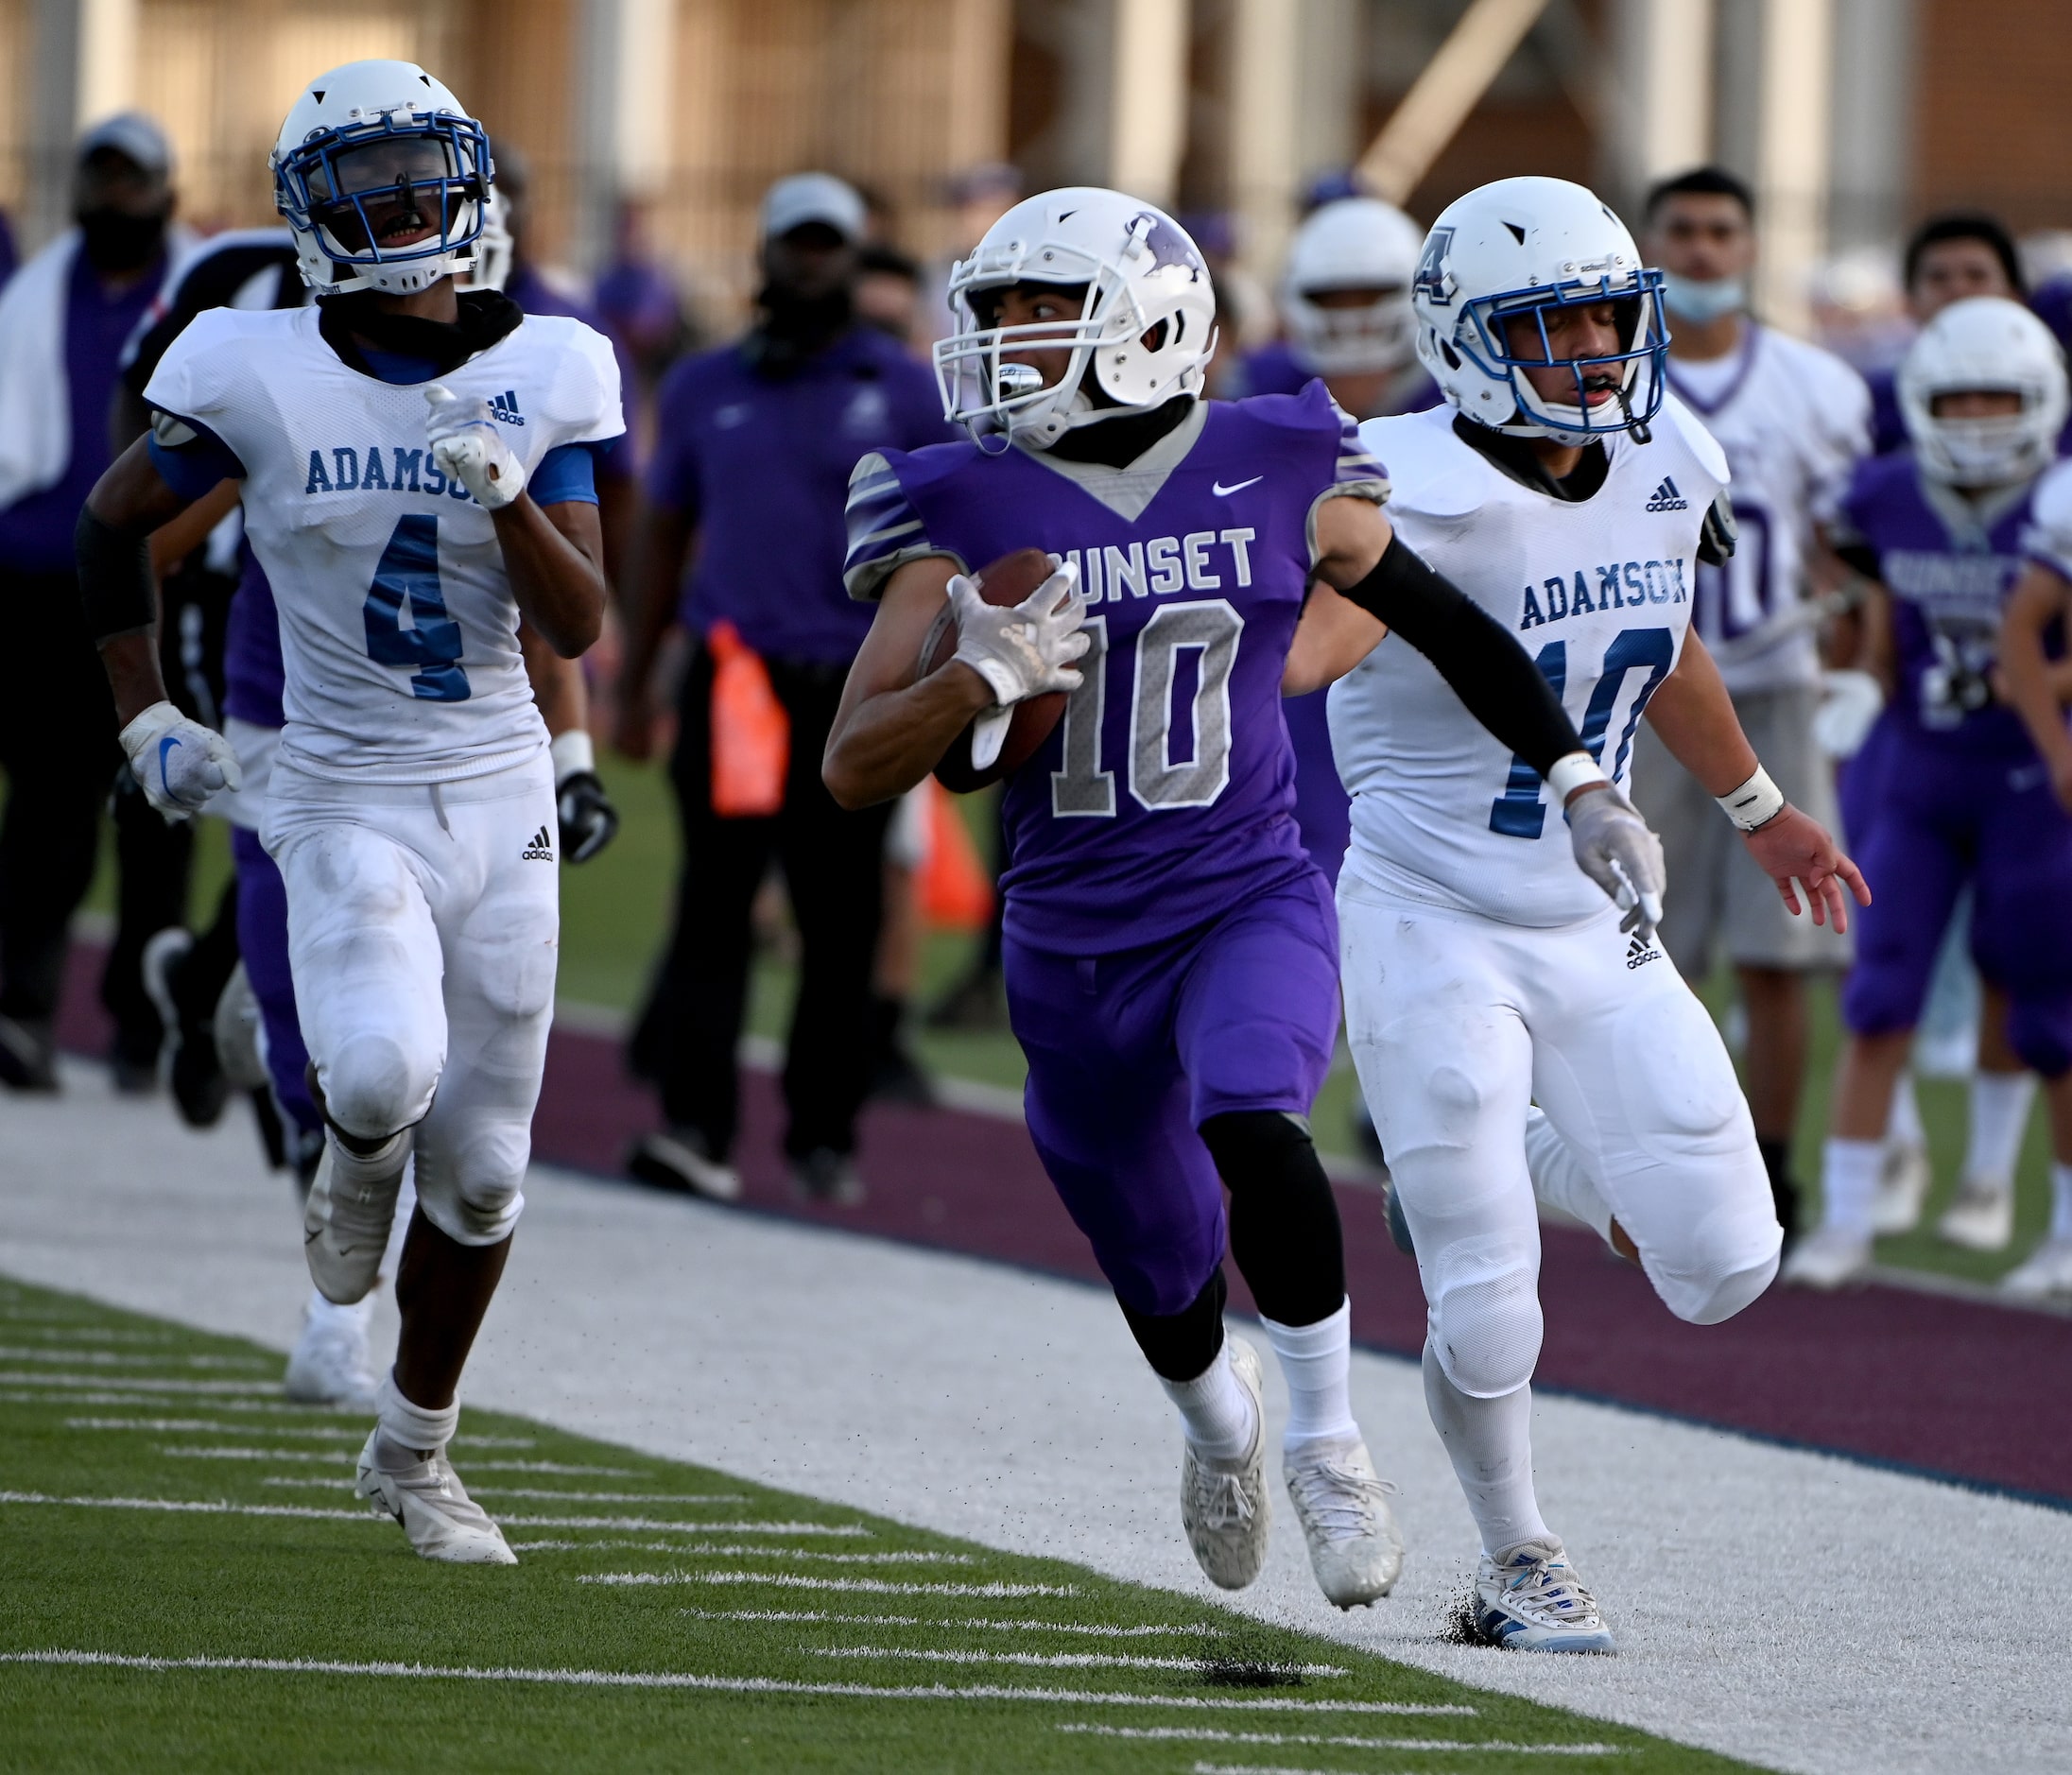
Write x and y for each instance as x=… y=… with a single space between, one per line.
x=1948 y=258
x=639 y=301
x=63 y=321
x=980 y=196
x=7 y=260
x=887 y=294
x=755 y=444
x=1858 y=311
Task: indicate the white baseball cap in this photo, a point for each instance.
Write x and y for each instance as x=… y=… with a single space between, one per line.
x=133 y=135
x=802 y=198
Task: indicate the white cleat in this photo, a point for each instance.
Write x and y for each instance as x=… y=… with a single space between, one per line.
x=345 y=1230
x=2046 y=1271
x=1982 y=1218
x=1903 y=1185
x=331 y=1363
x=1224 y=1505
x=441 y=1519
x=1355 y=1546
x=1828 y=1257
x=1529 y=1598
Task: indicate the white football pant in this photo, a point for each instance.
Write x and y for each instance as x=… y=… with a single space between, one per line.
x=1457 y=1023
x=423 y=925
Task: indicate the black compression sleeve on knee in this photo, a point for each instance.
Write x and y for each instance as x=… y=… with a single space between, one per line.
x=1284 y=1220
x=1179 y=1346
x=1487 y=668
x=114 y=577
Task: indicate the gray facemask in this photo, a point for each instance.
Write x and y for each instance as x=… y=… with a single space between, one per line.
x=1700 y=301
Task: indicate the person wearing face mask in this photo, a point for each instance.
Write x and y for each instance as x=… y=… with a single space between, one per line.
x=1792 y=420
x=754 y=442
x=63 y=320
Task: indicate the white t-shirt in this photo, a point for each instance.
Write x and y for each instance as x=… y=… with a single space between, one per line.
x=1597 y=590
x=399 y=632
x=1793 y=420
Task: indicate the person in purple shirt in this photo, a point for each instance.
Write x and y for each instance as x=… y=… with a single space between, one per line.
x=1171 y=952
x=1958 y=794
x=754 y=447
x=63 y=320
x=1948 y=257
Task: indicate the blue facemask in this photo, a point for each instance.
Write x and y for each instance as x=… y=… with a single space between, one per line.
x=1701 y=301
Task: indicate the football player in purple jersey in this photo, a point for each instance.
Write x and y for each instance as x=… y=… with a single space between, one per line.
x=1171 y=955
x=1960 y=794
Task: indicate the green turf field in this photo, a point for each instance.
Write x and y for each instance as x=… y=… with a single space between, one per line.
x=615 y=914
x=189 y=1584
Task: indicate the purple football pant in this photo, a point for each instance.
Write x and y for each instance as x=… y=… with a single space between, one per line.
x=262 y=938
x=1942 y=818
x=1130 y=1054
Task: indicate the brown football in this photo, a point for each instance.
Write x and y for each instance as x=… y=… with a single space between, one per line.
x=1009 y=580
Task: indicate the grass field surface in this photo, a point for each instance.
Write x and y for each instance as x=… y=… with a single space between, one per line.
x=192 y=1585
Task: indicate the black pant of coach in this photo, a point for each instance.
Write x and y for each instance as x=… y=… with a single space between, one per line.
x=832 y=863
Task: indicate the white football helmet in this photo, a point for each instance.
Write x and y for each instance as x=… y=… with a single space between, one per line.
x=1526 y=247
x=1984 y=344
x=362 y=133
x=1148 y=326
x=494 y=250
x=1353 y=243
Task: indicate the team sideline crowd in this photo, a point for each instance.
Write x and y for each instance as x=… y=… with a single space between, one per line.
x=1463 y=675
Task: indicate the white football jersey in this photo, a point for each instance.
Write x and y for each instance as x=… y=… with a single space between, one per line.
x=1793 y=420
x=399 y=632
x=1599 y=591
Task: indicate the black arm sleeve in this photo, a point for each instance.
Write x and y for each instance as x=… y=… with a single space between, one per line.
x=114 y=577
x=1488 y=670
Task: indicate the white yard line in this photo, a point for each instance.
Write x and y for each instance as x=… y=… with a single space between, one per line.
x=1204 y=1734
x=788 y=1581
x=717 y=1549
x=1099 y=1630
x=202 y=1506
x=140 y=1383
x=1060 y=1661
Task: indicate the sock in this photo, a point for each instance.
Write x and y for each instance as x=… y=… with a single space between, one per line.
x=1559 y=1178
x=1849 y=1182
x=1315 y=1362
x=1217 y=1411
x=358 y=1170
x=408 y=1433
x=1903 y=1126
x=1999 y=1118
x=2060 y=1201
x=1490 y=1443
x=354 y=1318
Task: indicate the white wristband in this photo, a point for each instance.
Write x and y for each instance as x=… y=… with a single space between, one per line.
x=1570 y=773
x=572 y=754
x=1756 y=802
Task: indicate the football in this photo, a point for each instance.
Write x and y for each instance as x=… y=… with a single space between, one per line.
x=1008 y=580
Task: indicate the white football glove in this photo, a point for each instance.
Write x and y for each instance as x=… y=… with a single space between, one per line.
x=467 y=447
x=1026 y=649
x=1615 y=848
x=177 y=762
x=1851 y=703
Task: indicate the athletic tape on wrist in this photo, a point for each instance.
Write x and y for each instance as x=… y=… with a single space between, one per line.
x=1755 y=803
x=572 y=754
x=1573 y=771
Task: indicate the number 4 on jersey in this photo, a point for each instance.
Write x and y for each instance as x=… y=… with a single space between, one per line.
x=407 y=582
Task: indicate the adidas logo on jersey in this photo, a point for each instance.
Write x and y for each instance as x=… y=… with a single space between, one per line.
x=1668 y=499
x=505 y=407
x=540 y=850
x=1639 y=953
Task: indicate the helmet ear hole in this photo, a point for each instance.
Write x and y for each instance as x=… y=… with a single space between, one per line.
x=1452 y=357
x=1155 y=339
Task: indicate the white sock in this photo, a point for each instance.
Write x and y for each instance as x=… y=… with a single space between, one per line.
x=1849 y=1182
x=2060 y=1201
x=1214 y=1410
x=1903 y=1126
x=410 y=1432
x=361 y=1168
x=1315 y=1362
x=1559 y=1178
x=1999 y=1118
x=1490 y=1443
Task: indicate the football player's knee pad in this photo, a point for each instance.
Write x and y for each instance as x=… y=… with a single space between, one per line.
x=1729 y=1255
x=376 y=1083
x=1444 y=1109
x=2041 y=1032
x=1678 y=1099
x=473 y=1196
x=1485 y=1314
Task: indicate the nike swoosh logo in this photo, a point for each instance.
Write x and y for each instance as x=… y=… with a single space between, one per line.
x=164 y=749
x=1224 y=492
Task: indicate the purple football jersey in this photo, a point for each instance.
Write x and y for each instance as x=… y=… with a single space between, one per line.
x=1165 y=795
x=1274 y=369
x=1949 y=566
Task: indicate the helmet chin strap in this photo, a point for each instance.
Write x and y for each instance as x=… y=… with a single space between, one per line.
x=1639 y=429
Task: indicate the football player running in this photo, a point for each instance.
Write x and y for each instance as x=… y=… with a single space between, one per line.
x=1170 y=950
x=1571 y=499
x=417 y=474
x=1961 y=795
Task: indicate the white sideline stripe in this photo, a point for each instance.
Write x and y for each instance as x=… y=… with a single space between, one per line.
x=114 y=1358
x=206 y=1506
x=341 y=1434
x=331 y=1455
x=144 y=1384
x=653 y=1522
x=96 y=1334
x=1098 y=1629
x=572 y=1497
x=474 y=1466
x=1209 y=1735
x=737 y=1685
x=1063 y=1661
x=1259 y=1768
x=720 y=1549
x=282 y=1406
x=787 y=1580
